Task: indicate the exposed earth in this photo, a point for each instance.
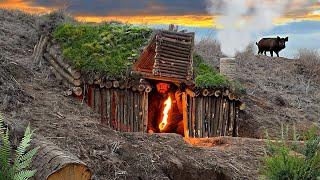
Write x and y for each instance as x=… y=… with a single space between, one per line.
x=30 y=93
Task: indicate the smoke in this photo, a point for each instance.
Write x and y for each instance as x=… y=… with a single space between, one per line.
x=243 y=20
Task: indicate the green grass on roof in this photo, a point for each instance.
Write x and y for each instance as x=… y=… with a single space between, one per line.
x=207 y=77
x=108 y=49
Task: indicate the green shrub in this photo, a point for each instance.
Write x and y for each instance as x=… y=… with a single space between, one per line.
x=289 y=160
x=207 y=77
x=106 y=48
x=19 y=167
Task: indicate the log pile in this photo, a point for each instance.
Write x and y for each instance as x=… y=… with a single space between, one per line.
x=63 y=71
x=50 y=161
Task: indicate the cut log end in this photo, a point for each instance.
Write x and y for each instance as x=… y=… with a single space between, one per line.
x=71 y=172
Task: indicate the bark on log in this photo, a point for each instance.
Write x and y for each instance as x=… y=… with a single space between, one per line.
x=59 y=59
x=176 y=37
x=50 y=161
x=77 y=91
x=182 y=59
x=39 y=49
x=108 y=84
x=164 y=48
x=115 y=84
x=205 y=92
x=176 y=54
x=191 y=34
x=172 y=60
x=174 y=47
x=175 y=41
x=75 y=82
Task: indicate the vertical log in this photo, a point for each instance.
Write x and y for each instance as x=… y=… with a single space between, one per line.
x=197 y=118
x=201 y=118
x=225 y=115
x=103 y=106
x=131 y=108
x=221 y=116
x=97 y=99
x=108 y=107
x=189 y=108
x=113 y=118
x=119 y=104
x=91 y=96
x=209 y=115
x=141 y=121
x=235 y=124
x=185 y=114
x=145 y=114
x=193 y=116
x=212 y=116
x=125 y=110
x=230 y=119
x=135 y=114
x=216 y=117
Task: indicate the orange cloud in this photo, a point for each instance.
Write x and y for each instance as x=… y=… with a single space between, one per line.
x=310 y=13
x=187 y=20
x=23 y=6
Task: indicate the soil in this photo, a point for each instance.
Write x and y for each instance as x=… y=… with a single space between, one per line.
x=30 y=94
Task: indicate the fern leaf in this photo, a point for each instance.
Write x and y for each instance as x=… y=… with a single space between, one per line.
x=25 y=161
x=4 y=147
x=24 y=175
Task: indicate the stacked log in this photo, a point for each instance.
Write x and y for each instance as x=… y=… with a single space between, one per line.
x=50 y=161
x=173 y=58
x=64 y=71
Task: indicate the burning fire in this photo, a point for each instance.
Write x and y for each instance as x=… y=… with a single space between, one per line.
x=167 y=107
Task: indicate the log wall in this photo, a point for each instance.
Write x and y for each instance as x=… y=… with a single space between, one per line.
x=124 y=110
x=210 y=116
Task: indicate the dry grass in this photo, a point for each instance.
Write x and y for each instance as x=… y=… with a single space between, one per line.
x=209 y=49
x=308 y=64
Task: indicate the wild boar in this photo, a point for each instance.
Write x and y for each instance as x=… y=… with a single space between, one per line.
x=271 y=45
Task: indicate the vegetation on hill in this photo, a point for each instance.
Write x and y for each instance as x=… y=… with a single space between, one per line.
x=289 y=160
x=107 y=49
x=207 y=77
x=19 y=167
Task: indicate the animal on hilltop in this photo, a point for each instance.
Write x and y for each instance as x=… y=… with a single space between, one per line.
x=271 y=45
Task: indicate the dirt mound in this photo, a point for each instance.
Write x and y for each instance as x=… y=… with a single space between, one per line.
x=276 y=94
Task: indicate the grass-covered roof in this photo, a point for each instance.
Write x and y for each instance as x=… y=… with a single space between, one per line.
x=108 y=49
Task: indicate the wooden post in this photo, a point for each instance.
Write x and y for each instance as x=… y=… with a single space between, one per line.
x=103 y=106
x=212 y=116
x=108 y=107
x=145 y=113
x=193 y=116
x=97 y=98
x=221 y=115
x=185 y=114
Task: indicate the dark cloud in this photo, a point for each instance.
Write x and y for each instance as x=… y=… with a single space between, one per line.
x=126 y=7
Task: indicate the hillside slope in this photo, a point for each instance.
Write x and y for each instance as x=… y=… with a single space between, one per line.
x=30 y=93
x=277 y=93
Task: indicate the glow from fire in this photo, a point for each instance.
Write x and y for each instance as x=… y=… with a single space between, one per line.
x=165 y=113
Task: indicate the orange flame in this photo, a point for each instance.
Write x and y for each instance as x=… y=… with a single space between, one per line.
x=167 y=107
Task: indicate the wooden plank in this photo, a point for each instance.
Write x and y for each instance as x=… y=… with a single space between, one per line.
x=216 y=117
x=145 y=114
x=131 y=109
x=125 y=110
x=159 y=48
x=171 y=53
x=175 y=41
x=172 y=46
x=235 y=124
x=185 y=114
x=103 y=106
x=212 y=116
x=174 y=58
x=220 y=116
x=193 y=116
x=108 y=107
x=201 y=118
x=136 y=129
x=209 y=115
x=97 y=100
x=196 y=119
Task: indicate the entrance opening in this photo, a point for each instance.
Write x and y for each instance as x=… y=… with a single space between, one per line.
x=165 y=111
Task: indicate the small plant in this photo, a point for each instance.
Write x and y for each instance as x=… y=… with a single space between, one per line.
x=290 y=160
x=206 y=76
x=19 y=167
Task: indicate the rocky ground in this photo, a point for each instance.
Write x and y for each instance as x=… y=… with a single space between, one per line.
x=29 y=93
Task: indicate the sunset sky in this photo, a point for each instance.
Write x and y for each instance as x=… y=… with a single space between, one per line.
x=302 y=24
